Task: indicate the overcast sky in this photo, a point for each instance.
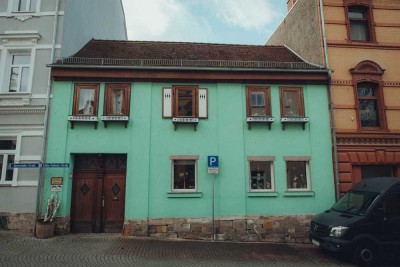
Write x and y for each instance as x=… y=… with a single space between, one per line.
x=211 y=21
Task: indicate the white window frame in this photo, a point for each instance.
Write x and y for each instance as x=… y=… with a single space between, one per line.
x=262 y=159
x=12 y=4
x=20 y=68
x=10 y=136
x=307 y=160
x=16 y=43
x=195 y=158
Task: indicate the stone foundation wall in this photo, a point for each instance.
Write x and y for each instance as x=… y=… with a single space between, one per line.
x=62 y=225
x=290 y=228
x=17 y=221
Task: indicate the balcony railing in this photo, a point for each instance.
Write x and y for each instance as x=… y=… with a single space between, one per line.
x=186 y=63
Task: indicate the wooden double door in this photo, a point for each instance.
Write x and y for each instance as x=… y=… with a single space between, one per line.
x=98 y=201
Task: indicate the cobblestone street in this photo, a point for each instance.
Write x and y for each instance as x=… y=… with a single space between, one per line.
x=21 y=249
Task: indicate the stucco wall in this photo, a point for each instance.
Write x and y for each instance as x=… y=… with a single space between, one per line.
x=301 y=31
x=150 y=140
x=89 y=19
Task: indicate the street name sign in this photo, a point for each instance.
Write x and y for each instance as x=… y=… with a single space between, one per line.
x=55 y=165
x=24 y=165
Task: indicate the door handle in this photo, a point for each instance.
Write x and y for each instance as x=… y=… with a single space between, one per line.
x=102 y=201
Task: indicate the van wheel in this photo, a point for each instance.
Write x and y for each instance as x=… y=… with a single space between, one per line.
x=366 y=254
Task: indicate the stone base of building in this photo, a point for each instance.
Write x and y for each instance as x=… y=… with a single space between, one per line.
x=289 y=228
x=26 y=222
x=17 y=221
x=62 y=225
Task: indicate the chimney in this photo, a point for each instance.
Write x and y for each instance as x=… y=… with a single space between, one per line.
x=290 y=4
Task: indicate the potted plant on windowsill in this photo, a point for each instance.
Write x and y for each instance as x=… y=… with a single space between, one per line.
x=45 y=227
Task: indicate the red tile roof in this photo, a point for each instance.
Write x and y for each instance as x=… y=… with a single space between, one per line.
x=116 y=52
x=189 y=51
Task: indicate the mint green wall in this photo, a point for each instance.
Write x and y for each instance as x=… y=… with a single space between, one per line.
x=150 y=140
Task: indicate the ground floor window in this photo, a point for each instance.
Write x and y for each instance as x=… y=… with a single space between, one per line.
x=298 y=175
x=261 y=173
x=184 y=173
x=377 y=171
x=8 y=150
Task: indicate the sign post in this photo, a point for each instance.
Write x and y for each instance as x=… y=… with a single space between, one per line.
x=213 y=168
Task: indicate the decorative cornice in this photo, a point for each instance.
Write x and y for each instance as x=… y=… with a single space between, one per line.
x=20 y=38
x=368 y=139
x=367 y=67
x=349 y=83
x=22 y=110
x=373 y=45
x=22 y=17
x=342 y=82
x=391 y=84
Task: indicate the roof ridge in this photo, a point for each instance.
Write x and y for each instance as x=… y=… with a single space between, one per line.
x=179 y=42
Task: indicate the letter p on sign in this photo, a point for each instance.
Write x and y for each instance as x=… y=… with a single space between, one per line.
x=213 y=161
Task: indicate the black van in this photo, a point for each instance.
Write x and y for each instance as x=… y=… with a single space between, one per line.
x=364 y=222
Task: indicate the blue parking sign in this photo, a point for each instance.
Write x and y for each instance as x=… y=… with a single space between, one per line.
x=212 y=161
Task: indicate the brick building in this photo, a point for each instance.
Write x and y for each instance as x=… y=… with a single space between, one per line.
x=359 y=40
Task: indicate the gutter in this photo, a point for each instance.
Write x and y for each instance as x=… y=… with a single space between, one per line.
x=331 y=110
x=39 y=196
x=61 y=66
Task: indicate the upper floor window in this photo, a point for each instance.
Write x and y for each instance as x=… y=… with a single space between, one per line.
x=19 y=73
x=86 y=99
x=24 y=5
x=367 y=83
x=185 y=102
x=117 y=100
x=8 y=148
x=359 y=23
x=292 y=102
x=368 y=105
x=258 y=101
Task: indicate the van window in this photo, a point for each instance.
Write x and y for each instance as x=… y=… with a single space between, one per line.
x=392 y=206
x=355 y=202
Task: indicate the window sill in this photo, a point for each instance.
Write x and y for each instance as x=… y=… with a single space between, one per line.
x=115 y=118
x=22 y=15
x=184 y=194
x=260 y=119
x=290 y=120
x=298 y=194
x=262 y=194
x=15 y=99
x=192 y=121
x=82 y=118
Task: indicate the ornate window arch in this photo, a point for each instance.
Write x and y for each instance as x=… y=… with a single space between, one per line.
x=368 y=84
x=359 y=21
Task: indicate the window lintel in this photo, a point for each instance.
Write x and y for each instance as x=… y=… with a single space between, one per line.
x=261 y=158
x=184 y=157
x=296 y=158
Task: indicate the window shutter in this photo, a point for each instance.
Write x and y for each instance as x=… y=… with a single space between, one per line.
x=167 y=102
x=203 y=103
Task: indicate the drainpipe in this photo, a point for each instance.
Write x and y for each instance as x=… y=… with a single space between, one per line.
x=39 y=196
x=333 y=125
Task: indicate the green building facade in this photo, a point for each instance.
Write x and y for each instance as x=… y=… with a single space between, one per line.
x=139 y=154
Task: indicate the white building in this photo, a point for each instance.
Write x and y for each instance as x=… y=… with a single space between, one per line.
x=32 y=34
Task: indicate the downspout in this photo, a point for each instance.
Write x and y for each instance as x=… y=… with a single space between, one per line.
x=331 y=110
x=39 y=196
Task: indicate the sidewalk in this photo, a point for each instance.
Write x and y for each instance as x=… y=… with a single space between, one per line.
x=21 y=249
